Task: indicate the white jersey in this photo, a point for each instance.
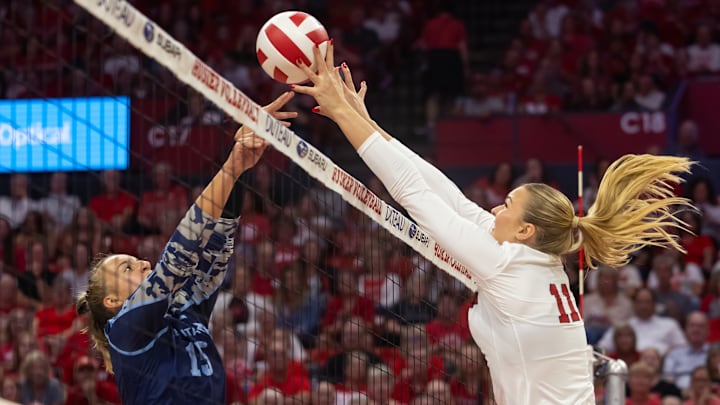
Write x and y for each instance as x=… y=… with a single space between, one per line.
x=526 y=320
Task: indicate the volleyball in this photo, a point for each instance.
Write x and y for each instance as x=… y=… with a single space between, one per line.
x=286 y=38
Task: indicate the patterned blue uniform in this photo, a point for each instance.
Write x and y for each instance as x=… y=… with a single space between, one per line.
x=160 y=347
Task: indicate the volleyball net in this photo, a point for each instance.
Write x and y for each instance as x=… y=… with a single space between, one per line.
x=78 y=66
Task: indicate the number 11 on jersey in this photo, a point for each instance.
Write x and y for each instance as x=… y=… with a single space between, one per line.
x=567 y=298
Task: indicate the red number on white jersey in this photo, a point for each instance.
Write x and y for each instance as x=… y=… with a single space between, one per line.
x=564 y=318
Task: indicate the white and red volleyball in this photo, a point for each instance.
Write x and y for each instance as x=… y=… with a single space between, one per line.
x=286 y=38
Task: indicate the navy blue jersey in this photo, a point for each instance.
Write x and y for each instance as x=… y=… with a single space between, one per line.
x=160 y=346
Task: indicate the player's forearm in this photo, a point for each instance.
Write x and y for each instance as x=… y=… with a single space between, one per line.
x=213 y=198
x=356 y=128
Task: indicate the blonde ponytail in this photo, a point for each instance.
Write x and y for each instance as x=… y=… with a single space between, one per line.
x=635 y=206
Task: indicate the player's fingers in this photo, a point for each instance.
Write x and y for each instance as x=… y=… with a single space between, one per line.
x=285 y=115
x=308 y=90
x=348 y=76
x=363 y=90
x=306 y=69
x=322 y=68
x=318 y=110
x=330 y=54
x=279 y=102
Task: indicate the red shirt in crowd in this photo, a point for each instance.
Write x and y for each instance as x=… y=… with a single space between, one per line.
x=51 y=322
x=105 y=207
x=443 y=32
x=363 y=308
x=154 y=202
x=292 y=385
x=105 y=391
x=437 y=331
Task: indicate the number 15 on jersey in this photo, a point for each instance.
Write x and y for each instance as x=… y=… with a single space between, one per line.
x=564 y=300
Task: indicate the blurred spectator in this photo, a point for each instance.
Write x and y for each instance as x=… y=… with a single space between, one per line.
x=165 y=196
x=444 y=41
x=16 y=206
x=701 y=389
x=660 y=386
x=704 y=53
x=672 y=301
x=298 y=308
x=538 y=101
x=420 y=365
x=78 y=275
x=10 y=389
x=85 y=228
x=381 y=384
x=114 y=206
x=59 y=205
x=254 y=223
x=38 y=386
x=651 y=330
x=413 y=308
x=380 y=284
x=624 y=343
x=648 y=95
x=292 y=386
x=312 y=223
x=17 y=328
x=534 y=173
x=483 y=99
x=242 y=303
x=323 y=394
x=700 y=249
x=498 y=186
x=346 y=303
x=626 y=99
x=120 y=59
x=57 y=320
x=440 y=392
x=588 y=97
x=7 y=250
x=680 y=362
x=444 y=330
x=640 y=379
x=354 y=382
x=606 y=306
x=198 y=112
x=355 y=336
x=11 y=297
x=35 y=280
x=471 y=383
x=262 y=336
x=688 y=141
x=680 y=275
x=702 y=192
x=87 y=389
x=546 y=18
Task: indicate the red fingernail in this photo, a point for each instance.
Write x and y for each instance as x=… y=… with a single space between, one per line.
x=292 y=86
x=332 y=41
x=316 y=109
x=344 y=65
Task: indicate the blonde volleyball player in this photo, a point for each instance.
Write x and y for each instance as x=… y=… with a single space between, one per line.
x=526 y=320
x=151 y=322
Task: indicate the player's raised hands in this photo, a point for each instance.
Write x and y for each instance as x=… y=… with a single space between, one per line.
x=249 y=147
x=328 y=88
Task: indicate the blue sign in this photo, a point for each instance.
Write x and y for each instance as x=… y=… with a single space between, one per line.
x=64 y=134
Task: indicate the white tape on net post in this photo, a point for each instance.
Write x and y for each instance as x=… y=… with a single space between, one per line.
x=153 y=41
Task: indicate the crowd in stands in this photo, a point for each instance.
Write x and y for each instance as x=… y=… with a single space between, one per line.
x=321 y=304
x=572 y=55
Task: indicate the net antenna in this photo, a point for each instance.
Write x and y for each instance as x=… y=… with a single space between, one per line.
x=144 y=34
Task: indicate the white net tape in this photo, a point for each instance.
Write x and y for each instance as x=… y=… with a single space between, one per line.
x=153 y=41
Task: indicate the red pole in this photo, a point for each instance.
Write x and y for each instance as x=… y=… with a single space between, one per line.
x=581 y=258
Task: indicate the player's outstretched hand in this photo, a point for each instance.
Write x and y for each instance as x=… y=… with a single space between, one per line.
x=273 y=109
x=248 y=147
x=327 y=89
x=354 y=97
